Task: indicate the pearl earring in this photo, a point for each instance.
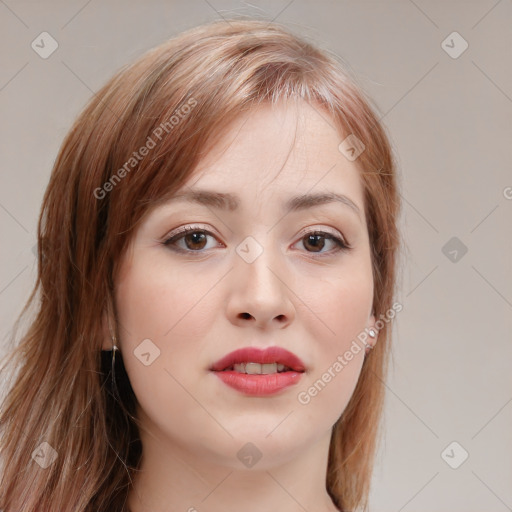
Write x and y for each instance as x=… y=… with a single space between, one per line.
x=372 y=334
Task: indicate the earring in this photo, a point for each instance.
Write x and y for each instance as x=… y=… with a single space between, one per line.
x=115 y=348
x=108 y=358
x=372 y=334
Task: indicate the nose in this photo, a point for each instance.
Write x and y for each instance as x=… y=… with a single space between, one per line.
x=259 y=294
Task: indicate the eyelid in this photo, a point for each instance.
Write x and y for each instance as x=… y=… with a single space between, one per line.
x=337 y=238
x=185 y=228
x=303 y=232
x=330 y=231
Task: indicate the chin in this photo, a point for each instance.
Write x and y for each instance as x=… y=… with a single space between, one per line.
x=266 y=441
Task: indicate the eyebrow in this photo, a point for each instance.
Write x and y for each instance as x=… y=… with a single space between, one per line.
x=231 y=202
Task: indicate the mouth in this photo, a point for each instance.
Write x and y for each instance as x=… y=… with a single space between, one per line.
x=260 y=372
x=251 y=368
x=255 y=361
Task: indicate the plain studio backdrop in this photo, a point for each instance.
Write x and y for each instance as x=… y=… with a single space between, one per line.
x=440 y=73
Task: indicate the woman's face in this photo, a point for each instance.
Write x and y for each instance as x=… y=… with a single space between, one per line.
x=250 y=275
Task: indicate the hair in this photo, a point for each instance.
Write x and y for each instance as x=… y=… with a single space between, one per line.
x=192 y=87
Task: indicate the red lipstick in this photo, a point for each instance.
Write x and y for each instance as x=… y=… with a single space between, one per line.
x=259 y=372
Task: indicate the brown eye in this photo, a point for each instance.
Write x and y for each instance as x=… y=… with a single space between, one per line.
x=315 y=242
x=196 y=240
x=193 y=240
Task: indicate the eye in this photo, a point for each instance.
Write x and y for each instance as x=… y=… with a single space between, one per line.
x=194 y=238
x=315 y=240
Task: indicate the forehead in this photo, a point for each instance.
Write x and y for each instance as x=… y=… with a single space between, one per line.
x=275 y=151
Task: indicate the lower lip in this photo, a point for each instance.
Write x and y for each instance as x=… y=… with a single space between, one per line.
x=259 y=385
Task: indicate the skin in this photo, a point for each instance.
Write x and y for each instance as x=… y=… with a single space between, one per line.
x=191 y=305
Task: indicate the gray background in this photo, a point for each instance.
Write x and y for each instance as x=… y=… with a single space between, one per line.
x=450 y=123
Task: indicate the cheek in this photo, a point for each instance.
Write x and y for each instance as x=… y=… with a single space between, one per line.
x=158 y=303
x=322 y=400
x=167 y=305
x=154 y=298
x=342 y=306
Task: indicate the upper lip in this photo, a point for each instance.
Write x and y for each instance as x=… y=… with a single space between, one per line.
x=258 y=355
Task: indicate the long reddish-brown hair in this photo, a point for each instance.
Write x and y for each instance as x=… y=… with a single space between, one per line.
x=60 y=392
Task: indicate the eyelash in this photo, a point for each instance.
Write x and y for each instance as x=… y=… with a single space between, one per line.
x=341 y=245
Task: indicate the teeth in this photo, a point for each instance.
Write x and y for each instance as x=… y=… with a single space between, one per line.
x=258 y=369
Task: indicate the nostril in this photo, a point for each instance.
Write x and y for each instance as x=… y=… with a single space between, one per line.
x=246 y=315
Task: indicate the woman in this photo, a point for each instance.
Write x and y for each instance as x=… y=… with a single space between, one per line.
x=216 y=274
